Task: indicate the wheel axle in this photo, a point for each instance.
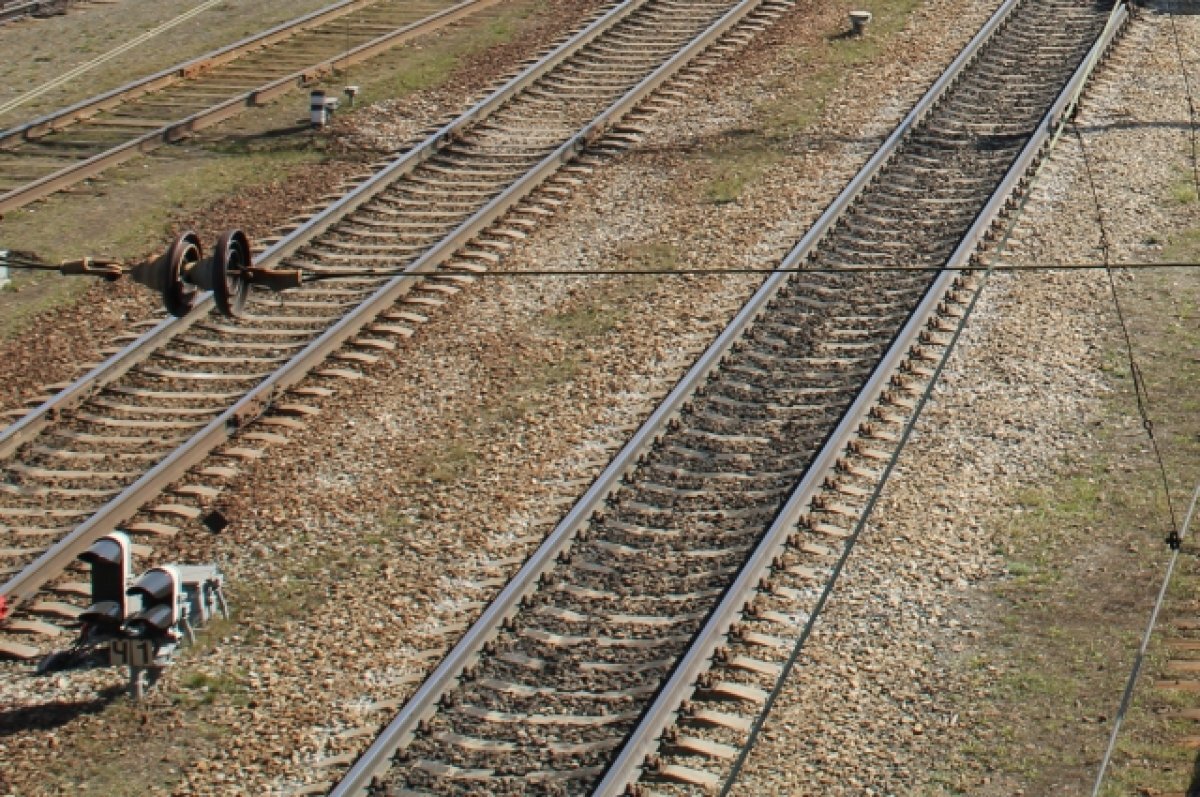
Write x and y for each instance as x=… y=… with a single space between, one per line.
x=180 y=273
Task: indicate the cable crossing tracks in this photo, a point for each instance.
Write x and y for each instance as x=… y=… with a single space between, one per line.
x=70 y=145
x=565 y=667
x=124 y=434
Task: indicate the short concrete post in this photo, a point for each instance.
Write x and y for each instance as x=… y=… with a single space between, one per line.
x=858 y=22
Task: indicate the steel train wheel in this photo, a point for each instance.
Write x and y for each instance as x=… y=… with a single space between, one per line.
x=231 y=260
x=179 y=296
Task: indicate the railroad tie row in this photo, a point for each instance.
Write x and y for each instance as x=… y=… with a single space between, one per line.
x=715 y=724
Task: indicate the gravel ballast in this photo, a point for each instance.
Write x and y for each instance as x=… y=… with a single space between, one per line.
x=360 y=549
x=901 y=689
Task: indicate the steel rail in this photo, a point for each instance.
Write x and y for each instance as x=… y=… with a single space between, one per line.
x=423 y=702
x=28 y=427
x=18 y=10
x=83 y=388
x=26 y=583
x=359 y=775
x=665 y=709
x=111 y=99
x=183 y=128
x=8 y=106
x=79 y=391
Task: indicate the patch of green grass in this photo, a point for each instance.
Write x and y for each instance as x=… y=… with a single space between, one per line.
x=656 y=256
x=584 y=322
x=799 y=109
x=288 y=596
x=794 y=105
x=524 y=397
x=1020 y=569
x=28 y=296
x=139 y=204
x=1085 y=554
x=1182 y=247
x=203 y=688
x=1183 y=192
x=448 y=463
x=738 y=164
x=410 y=69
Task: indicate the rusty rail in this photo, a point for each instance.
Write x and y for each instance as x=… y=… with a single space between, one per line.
x=666 y=706
x=177 y=131
x=111 y=99
x=25 y=584
x=17 y=10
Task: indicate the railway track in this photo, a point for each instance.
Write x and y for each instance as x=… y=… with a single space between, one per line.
x=103 y=450
x=16 y=9
x=60 y=149
x=638 y=646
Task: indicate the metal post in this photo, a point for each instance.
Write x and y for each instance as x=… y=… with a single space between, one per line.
x=318 y=111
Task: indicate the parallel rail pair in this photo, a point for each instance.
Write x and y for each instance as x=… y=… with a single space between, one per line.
x=704 y=496
x=640 y=641
x=89 y=458
x=62 y=148
x=23 y=8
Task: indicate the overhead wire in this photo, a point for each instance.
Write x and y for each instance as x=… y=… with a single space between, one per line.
x=1187 y=89
x=29 y=261
x=1139 y=659
x=1141 y=393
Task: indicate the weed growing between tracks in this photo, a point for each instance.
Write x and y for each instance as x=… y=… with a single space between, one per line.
x=1164 y=307
x=409 y=69
x=128 y=211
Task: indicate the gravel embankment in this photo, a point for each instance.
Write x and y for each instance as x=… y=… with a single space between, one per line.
x=441 y=470
x=360 y=548
x=897 y=691
x=51 y=347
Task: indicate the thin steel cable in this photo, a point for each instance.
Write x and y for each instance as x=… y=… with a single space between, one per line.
x=1139 y=384
x=1138 y=660
x=712 y=272
x=29 y=263
x=1187 y=89
x=848 y=547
